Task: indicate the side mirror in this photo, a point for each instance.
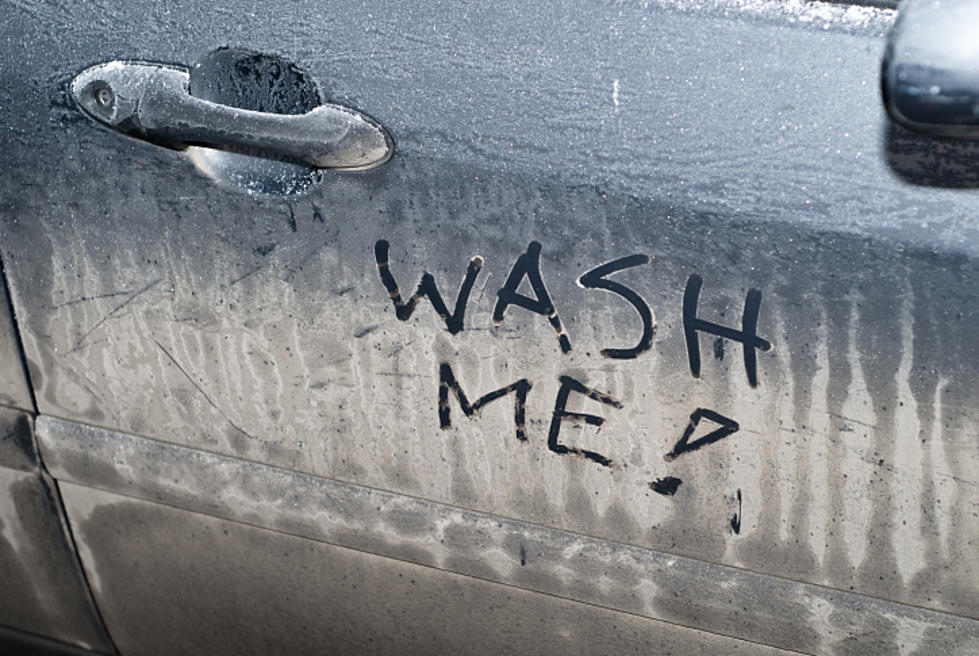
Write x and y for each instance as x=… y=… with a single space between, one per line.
x=930 y=72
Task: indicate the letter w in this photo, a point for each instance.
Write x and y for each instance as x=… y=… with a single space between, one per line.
x=427 y=287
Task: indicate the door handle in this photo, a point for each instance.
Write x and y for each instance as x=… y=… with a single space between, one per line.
x=930 y=71
x=153 y=102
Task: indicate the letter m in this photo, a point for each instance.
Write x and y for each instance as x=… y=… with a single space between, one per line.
x=447 y=381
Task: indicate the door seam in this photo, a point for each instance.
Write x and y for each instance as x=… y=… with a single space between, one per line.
x=43 y=472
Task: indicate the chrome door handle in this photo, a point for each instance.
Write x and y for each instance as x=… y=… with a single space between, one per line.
x=153 y=102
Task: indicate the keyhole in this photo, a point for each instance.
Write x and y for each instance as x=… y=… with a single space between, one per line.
x=103 y=97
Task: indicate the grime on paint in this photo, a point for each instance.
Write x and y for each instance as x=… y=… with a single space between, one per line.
x=527 y=266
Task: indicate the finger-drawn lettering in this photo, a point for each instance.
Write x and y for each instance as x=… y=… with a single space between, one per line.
x=667 y=486
x=696 y=434
x=736 y=518
x=528 y=265
x=568 y=385
x=596 y=279
x=426 y=287
x=747 y=335
x=447 y=381
x=726 y=427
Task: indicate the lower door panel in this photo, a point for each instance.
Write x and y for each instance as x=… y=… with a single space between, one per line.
x=172 y=581
x=195 y=552
x=42 y=590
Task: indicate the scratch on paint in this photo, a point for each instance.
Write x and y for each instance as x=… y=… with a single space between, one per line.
x=242 y=277
x=203 y=393
x=85 y=299
x=867 y=458
x=114 y=310
x=851 y=420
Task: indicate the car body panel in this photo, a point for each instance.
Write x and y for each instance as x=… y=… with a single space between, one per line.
x=238 y=600
x=742 y=145
x=754 y=607
x=44 y=591
x=14 y=390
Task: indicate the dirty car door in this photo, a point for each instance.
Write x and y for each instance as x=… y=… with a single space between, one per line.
x=652 y=332
x=43 y=591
